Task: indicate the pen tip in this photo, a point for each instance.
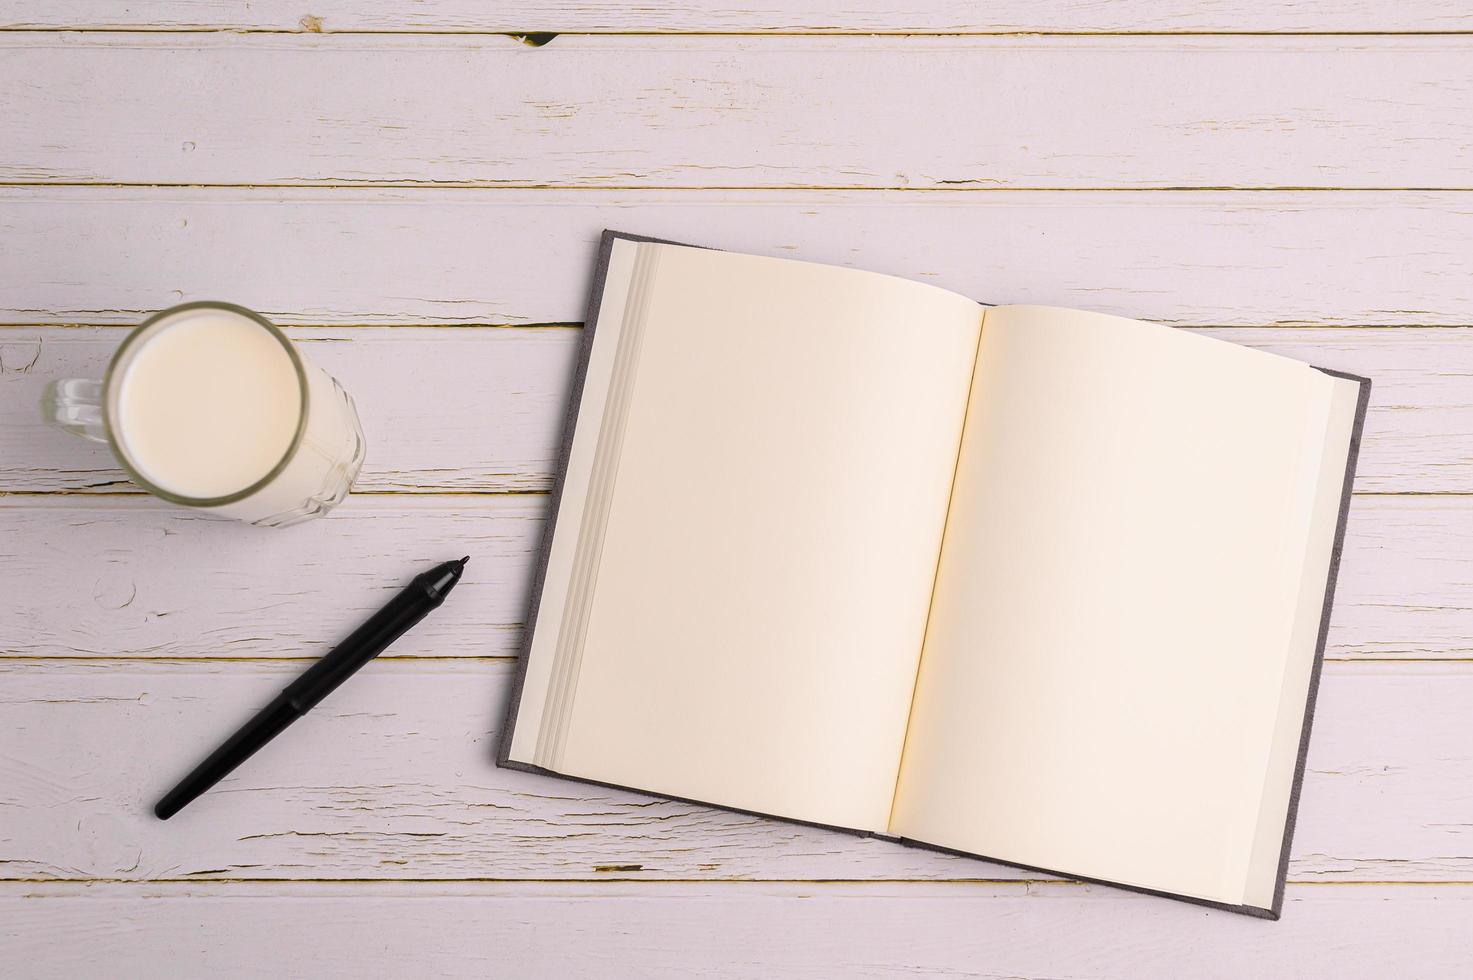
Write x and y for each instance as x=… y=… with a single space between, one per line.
x=465 y=559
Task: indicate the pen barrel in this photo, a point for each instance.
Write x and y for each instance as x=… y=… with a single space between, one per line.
x=266 y=725
x=408 y=607
x=364 y=643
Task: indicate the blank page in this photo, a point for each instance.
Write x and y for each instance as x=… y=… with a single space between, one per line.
x=756 y=563
x=1139 y=519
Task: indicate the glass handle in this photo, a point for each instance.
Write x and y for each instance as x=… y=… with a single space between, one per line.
x=75 y=404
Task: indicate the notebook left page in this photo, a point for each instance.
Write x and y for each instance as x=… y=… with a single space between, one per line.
x=746 y=541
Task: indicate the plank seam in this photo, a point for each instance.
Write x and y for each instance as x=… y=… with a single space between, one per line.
x=817 y=32
x=953 y=186
x=126 y=660
x=573 y=325
x=657 y=882
x=426 y=492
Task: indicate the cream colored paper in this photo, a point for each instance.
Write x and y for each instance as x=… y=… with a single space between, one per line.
x=1118 y=645
x=1114 y=617
x=764 y=571
x=541 y=659
x=1263 y=864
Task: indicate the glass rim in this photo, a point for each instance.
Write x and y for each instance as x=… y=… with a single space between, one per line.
x=119 y=447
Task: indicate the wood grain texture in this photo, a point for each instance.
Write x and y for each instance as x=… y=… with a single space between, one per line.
x=339 y=255
x=135 y=578
x=751 y=16
x=500 y=397
x=392 y=777
x=713 y=930
x=131 y=577
x=1025 y=112
x=442 y=409
x=390 y=780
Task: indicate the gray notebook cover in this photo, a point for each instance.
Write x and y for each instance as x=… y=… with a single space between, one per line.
x=503 y=760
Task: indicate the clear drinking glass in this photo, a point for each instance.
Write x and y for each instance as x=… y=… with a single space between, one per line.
x=320 y=461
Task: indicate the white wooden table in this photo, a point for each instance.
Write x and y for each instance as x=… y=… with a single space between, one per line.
x=417 y=193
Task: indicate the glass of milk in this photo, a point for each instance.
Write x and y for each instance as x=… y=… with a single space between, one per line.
x=211 y=406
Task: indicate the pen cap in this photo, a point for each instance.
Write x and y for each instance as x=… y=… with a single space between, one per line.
x=438 y=581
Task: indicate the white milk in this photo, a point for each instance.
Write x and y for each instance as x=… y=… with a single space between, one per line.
x=205 y=403
x=208 y=404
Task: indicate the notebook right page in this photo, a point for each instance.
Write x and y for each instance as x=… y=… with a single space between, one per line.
x=1126 y=604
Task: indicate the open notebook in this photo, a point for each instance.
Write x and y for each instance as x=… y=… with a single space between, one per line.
x=1029 y=583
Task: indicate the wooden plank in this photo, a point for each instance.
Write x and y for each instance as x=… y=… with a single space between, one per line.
x=751 y=16
x=1025 y=112
x=716 y=930
x=108 y=255
x=447 y=409
x=392 y=777
x=1416 y=436
x=135 y=578
x=500 y=396
x=121 y=577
